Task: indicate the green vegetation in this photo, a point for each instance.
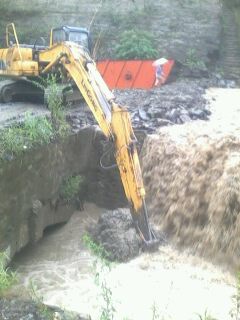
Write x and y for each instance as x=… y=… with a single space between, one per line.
x=55 y=104
x=33 y=132
x=7 y=277
x=42 y=308
x=97 y=250
x=36 y=131
x=136 y=45
x=101 y=267
x=193 y=61
x=235 y=312
x=205 y=316
x=155 y=313
x=45 y=311
x=70 y=187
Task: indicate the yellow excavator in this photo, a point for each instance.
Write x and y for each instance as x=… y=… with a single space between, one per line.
x=68 y=53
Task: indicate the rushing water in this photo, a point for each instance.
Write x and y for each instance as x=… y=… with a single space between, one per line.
x=178 y=284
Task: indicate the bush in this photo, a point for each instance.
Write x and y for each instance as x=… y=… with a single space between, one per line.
x=18 y=138
x=71 y=187
x=136 y=45
x=193 y=61
x=7 y=278
x=53 y=92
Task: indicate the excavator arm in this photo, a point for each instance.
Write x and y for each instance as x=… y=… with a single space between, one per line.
x=113 y=119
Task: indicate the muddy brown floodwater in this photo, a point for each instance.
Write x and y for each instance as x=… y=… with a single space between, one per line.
x=192 y=179
x=178 y=284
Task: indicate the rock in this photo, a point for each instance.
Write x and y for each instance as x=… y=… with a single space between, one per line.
x=174 y=114
x=16 y=309
x=143 y=115
x=199 y=114
x=167 y=103
x=116 y=233
x=185 y=118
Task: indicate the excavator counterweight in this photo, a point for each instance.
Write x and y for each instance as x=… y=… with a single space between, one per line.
x=72 y=59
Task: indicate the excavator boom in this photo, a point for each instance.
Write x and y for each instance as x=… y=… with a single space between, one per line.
x=75 y=62
x=114 y=121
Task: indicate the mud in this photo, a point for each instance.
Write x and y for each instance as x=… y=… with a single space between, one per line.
x=192 y=181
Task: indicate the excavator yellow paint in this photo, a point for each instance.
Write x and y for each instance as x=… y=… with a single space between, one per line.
x=114 y=120
x=16 y=61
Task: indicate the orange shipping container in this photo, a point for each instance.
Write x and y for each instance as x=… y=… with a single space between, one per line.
x=138 y=74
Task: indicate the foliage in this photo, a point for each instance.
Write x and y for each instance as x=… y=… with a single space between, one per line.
x=205 y=316
x=18 y=138
x=101 y=268
x=98 y=251
x=235 y=312
x=193 y=61
x=55 y=105
x=36 y=131
x=46 y=311
x=38 y=300
x=136 y=45
x=7 y=277
x=155 y=313
x=71 y=187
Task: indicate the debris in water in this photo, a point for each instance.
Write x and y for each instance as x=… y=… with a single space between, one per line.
x=116 y=233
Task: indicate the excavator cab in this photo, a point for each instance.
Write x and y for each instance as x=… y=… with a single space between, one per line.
x=80 y=36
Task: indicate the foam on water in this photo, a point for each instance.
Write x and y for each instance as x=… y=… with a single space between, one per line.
x=179 y=284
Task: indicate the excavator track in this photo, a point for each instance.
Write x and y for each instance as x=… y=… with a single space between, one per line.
x=12 y=90
x=7 y=88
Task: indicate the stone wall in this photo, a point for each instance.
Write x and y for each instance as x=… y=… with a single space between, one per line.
x=30 y=186
x=183 y=29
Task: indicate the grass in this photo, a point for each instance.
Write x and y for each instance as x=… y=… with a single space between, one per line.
x=45 y=311
x=33 y=132
x=41 y=307
x=55 y=105
x=70 y=187
x=205 y=316
x=193 y=61
x=235 y=312
x=101 y=267
x=7 y=277
x=36 y=131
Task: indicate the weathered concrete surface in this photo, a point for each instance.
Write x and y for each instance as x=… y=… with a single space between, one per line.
x=30 y=186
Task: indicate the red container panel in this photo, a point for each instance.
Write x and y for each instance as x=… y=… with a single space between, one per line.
x=138 y=74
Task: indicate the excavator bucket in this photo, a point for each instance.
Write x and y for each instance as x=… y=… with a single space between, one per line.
x=146 y=233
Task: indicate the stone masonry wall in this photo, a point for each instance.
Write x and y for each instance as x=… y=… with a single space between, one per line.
x=30 y=185
x=183 y=29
